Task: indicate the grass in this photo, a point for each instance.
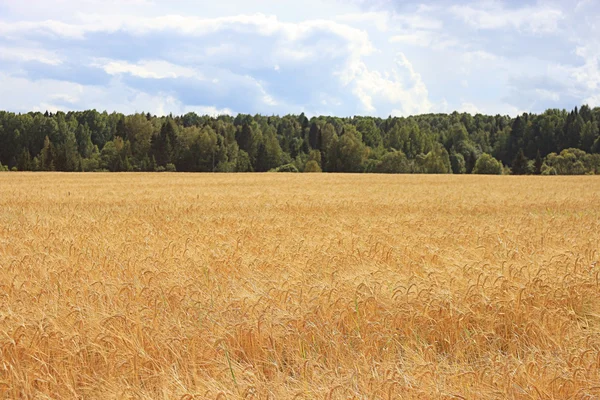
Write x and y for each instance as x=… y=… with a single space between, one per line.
x=289 y=286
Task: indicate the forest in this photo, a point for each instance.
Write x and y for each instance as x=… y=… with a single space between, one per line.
x=555 y=142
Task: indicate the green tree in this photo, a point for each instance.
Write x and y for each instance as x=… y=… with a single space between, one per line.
x=83 y=136
x=520 y=164
x=370 y=132
x=72 y=160
x=207 y=149
x=515 y=142
x=138 y=130
x=116 y=154
x=314 y=136
x=269 y=152
x=539 y=162
x=589 y=134
x=329 y=156
x=162 y=145
x=93 y=162
x=246 y=138
x=47 y=156
x=315 y=155
x=571 y=162
x=312 y=166
x=437 y=161
x=487 y=165
x=350 y=153
x=358 y=144
x=243 y=163
x=393 y=162
x=457 y=162
x=24 y=163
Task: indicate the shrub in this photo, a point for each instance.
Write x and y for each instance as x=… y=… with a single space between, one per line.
x=170 y=168
x=487 y=165
x=312 y=166
x=571 y=162
x=394 y=162
x=286 y=168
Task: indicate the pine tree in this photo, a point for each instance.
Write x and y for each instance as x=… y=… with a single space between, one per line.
x=162 y=144
x=71 y=156
x=47 y=156
x=519 y=165
x=538 y=163
x=24 y=163
x=314 y=137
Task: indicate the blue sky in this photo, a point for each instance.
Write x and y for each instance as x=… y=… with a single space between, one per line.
x=335 y=57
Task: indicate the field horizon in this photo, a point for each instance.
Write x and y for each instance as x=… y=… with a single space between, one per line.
x=298 y=286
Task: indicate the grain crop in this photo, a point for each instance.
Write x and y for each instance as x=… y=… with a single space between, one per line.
x=299 y=286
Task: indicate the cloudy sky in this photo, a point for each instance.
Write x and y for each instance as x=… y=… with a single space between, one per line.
x=337 y=57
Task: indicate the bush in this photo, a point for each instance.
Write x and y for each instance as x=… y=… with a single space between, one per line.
x=571 y=162
x=457 y=161
x=286 y=168
x=90 y=164
x=394 y=162
x=226 y=166
x=437 y=161
x=487 y=165
x=312 y=166
x=547 y=170
x=170 y=168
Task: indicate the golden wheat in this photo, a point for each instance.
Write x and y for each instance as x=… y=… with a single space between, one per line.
x=283 y=286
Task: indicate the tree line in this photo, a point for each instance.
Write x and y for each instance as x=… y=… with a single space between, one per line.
x=553 y=142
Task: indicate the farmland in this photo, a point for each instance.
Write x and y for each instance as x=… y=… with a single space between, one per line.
x=302 y=286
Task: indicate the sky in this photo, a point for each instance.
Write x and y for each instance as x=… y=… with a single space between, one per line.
x=320 y=57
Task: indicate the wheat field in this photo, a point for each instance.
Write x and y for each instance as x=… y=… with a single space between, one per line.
x=285 y=286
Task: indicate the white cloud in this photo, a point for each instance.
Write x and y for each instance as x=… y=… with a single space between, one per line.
x=489 y=108
x=583 y=4
x=593 y=100
x=289 y=44
x=535 y=19
x=420 y=21
x=421 y=29
x=161 y=69
x=165 y=104
x=589 y=73
x=220 y=50
x=545 y=94
x=277 y=56
x=480 y=61
x=72 y=98
x=265 y=25
x=417 y=38
x=469 y=108
x=13 y=30
x=379 y=19
x=209 y=110
x=21 y=94
x=289 y=40
x=402 y=89
x=265 y=96
x=153 y=69
x=26 y=54
x=581 y=81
